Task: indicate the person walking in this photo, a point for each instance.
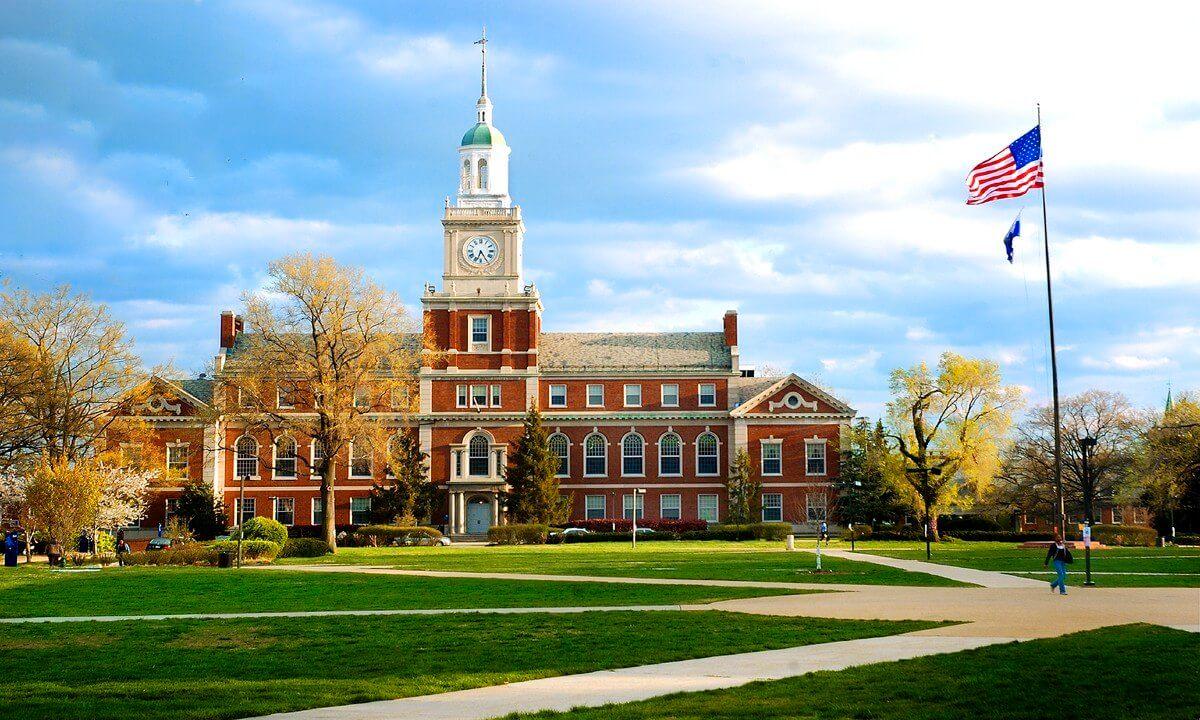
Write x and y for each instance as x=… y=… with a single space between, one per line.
x=824 y=533
x=121 y=547
x=1060 y=554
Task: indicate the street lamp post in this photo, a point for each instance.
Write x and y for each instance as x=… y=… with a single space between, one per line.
x=241 y=508
x=637 y=494
x=1087 y=446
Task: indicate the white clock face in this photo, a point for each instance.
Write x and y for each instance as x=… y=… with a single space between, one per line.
x=480 y=250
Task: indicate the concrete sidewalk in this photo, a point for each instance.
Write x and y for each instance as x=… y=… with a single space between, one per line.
x=640 y=683
x=983 y=578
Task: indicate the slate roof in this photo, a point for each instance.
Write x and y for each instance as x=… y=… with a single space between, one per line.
x=199 y=388
x=633 y=351
x=744 y=388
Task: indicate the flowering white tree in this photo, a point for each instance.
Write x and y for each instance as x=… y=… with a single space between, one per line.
x=123 y=496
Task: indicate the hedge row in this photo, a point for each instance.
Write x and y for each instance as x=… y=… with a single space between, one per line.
x=304 y=547
x=1128 y=535
x=519 y=534
x=252 y=550
x=1001 y=535
x=1187 y=539
x=623 y=525
x=376 y=535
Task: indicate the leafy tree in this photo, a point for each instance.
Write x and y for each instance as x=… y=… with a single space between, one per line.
x=202 y=513
x=339 y=346
x=64 y=498
x=1167 y=471
x=865 y=484
x=533 y=495
x=403 y=500
x=745 y=492
x=949 y=427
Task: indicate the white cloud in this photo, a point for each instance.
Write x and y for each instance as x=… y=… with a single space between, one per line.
x=854 y=363
x=261 y=233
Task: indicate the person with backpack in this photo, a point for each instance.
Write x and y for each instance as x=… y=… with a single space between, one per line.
x=1061 y=555
x=824 y=535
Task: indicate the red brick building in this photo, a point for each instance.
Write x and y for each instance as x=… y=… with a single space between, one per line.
x=660 y=412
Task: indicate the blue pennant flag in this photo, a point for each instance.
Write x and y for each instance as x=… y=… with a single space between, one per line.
x=1013 y=232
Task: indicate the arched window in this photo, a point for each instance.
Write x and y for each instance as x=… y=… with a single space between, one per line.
x=670 y=455
x=360 y=458
x=633 y=450
x=707 y=451
x=560 y=448
x=465 y=182
x=247 y=457
x=595 y=455
x=477 y=456
x=483 y=174
x=285 y=457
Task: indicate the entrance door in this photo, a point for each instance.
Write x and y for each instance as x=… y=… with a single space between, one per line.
x=479 y=516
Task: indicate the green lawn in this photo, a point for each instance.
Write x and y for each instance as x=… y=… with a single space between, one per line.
x=765 y=561
x=1135 y=671
x=38 y=592
x=187 y=669
x=1180 y=565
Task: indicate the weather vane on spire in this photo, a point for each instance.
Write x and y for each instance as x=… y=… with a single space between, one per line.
x=482 y=43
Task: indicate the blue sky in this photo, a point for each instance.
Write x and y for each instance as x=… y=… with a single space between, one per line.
x=802 y=163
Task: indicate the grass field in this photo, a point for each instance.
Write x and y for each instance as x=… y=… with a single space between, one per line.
x=764 y=561
x=38 y=592
x=1174 y=566
x=1135 y=671
x=185 y=670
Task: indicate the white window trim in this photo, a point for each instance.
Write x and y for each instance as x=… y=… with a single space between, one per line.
x=187 y=464
x=588 y=396
x=279 y=395
x=815 y=440
x=275 y=458
x=643 y=439
x=566 y=472
x=763 y=512
x=238 y=506
x=716 y=437
x=639 y=503
x=700 y=395
x=472 y=344
x=361 y=394
x=625 y=394
x=368 y=510
x=462 y=396
x=662 y=395
x=604 y=438
x=550 y=397
x=659 y=444
x=678 y=506
x=494 y=395
x=312 y=460
x=603 y=506
x=257 y=447
x=350 y=464
x=716 y=508
x=809 y=506
x=275 y=511
x=312 y=509
x=762 y=457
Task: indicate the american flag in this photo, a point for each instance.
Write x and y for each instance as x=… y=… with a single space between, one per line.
x=1010 y=173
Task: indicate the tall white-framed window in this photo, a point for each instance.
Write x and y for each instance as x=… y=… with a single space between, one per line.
x=478 y=456
x=633 y=455
x=772 y=457
x=595 y=507
x=670 y=395
x=707 y=393
x=170 y=508
x=707 y=508
x=558 y=396
x=595 y=395
x=495 y=396
x=481 y=332
x=177 y=459
x=1118 y=515
x=772 y=507
x=244 y=509
x=814 y=457
x=285 y=457
x=670 y=455
x=708 y=454
x=246 y=463
x=595 y=455
x=285 y=397
x=360 y=510
x=560 y=448
x=479 y=396
x=668 y=507
x=316 y=451
x=633 y=396
x=285 y=510
x=362 y=398
x=460 y=396
x=629 y=502
x=317 y=511
x=360 y=459
x=817 y=507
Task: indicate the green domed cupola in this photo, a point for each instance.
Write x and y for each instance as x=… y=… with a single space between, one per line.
x=483 y=134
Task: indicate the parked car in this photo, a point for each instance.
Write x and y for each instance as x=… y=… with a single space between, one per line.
x=443 y=540
x=571 y=531
x=160 y=543
x=644 y=531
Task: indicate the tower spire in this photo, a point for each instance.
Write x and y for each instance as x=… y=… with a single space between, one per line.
x=482 y=43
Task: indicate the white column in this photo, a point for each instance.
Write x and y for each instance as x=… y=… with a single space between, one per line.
x=451 y=523
x=462 y=512
x=495 y=509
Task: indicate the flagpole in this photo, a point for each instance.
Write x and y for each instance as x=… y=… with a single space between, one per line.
x=1058 y=484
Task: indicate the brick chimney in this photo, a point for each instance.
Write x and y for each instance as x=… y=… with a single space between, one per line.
x=231 y=325
x=731 y=339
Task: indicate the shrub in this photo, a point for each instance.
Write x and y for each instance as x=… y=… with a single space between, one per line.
x=82 y=559
x=761 y=531
x=262 y=528
x=191 y=554
x=1134 y=535
x=623 y=525
x=315 y=531
x=304 y=547
x=1187 y=539
x=376 y=535
x=1002 y=536
x=951 y=523
x=860 y=532
x=252 y=550
x=518 y=534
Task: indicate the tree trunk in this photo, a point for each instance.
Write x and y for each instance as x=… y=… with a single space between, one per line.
x=329 y=519
x=933 y=524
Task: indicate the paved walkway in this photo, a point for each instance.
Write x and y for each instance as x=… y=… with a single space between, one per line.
x=983 y=578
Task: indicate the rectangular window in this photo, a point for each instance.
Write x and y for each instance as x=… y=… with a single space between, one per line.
x=480 y=325
x=360 y=510
x=170 y=507
x=318 y=511
x=633 y=396
x=708 y=394
x=772 y=507
x=558 y=396
x=495 y=396
x=668 y=507
x=595 y=396
x=360 y=460
x=177 y=460
x=479 y=396
x=399 y=399
x=285 y=398
x=772 y=458
x=817 y=506
x=706 y=508
x=460 y=396
x=627 y=502
x=244 y=509
x=670 y=395
x=1118 y=516
x=814 y=458
x=362 y=398
x=285 y=510
x=318 y=459
x=595 y=507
